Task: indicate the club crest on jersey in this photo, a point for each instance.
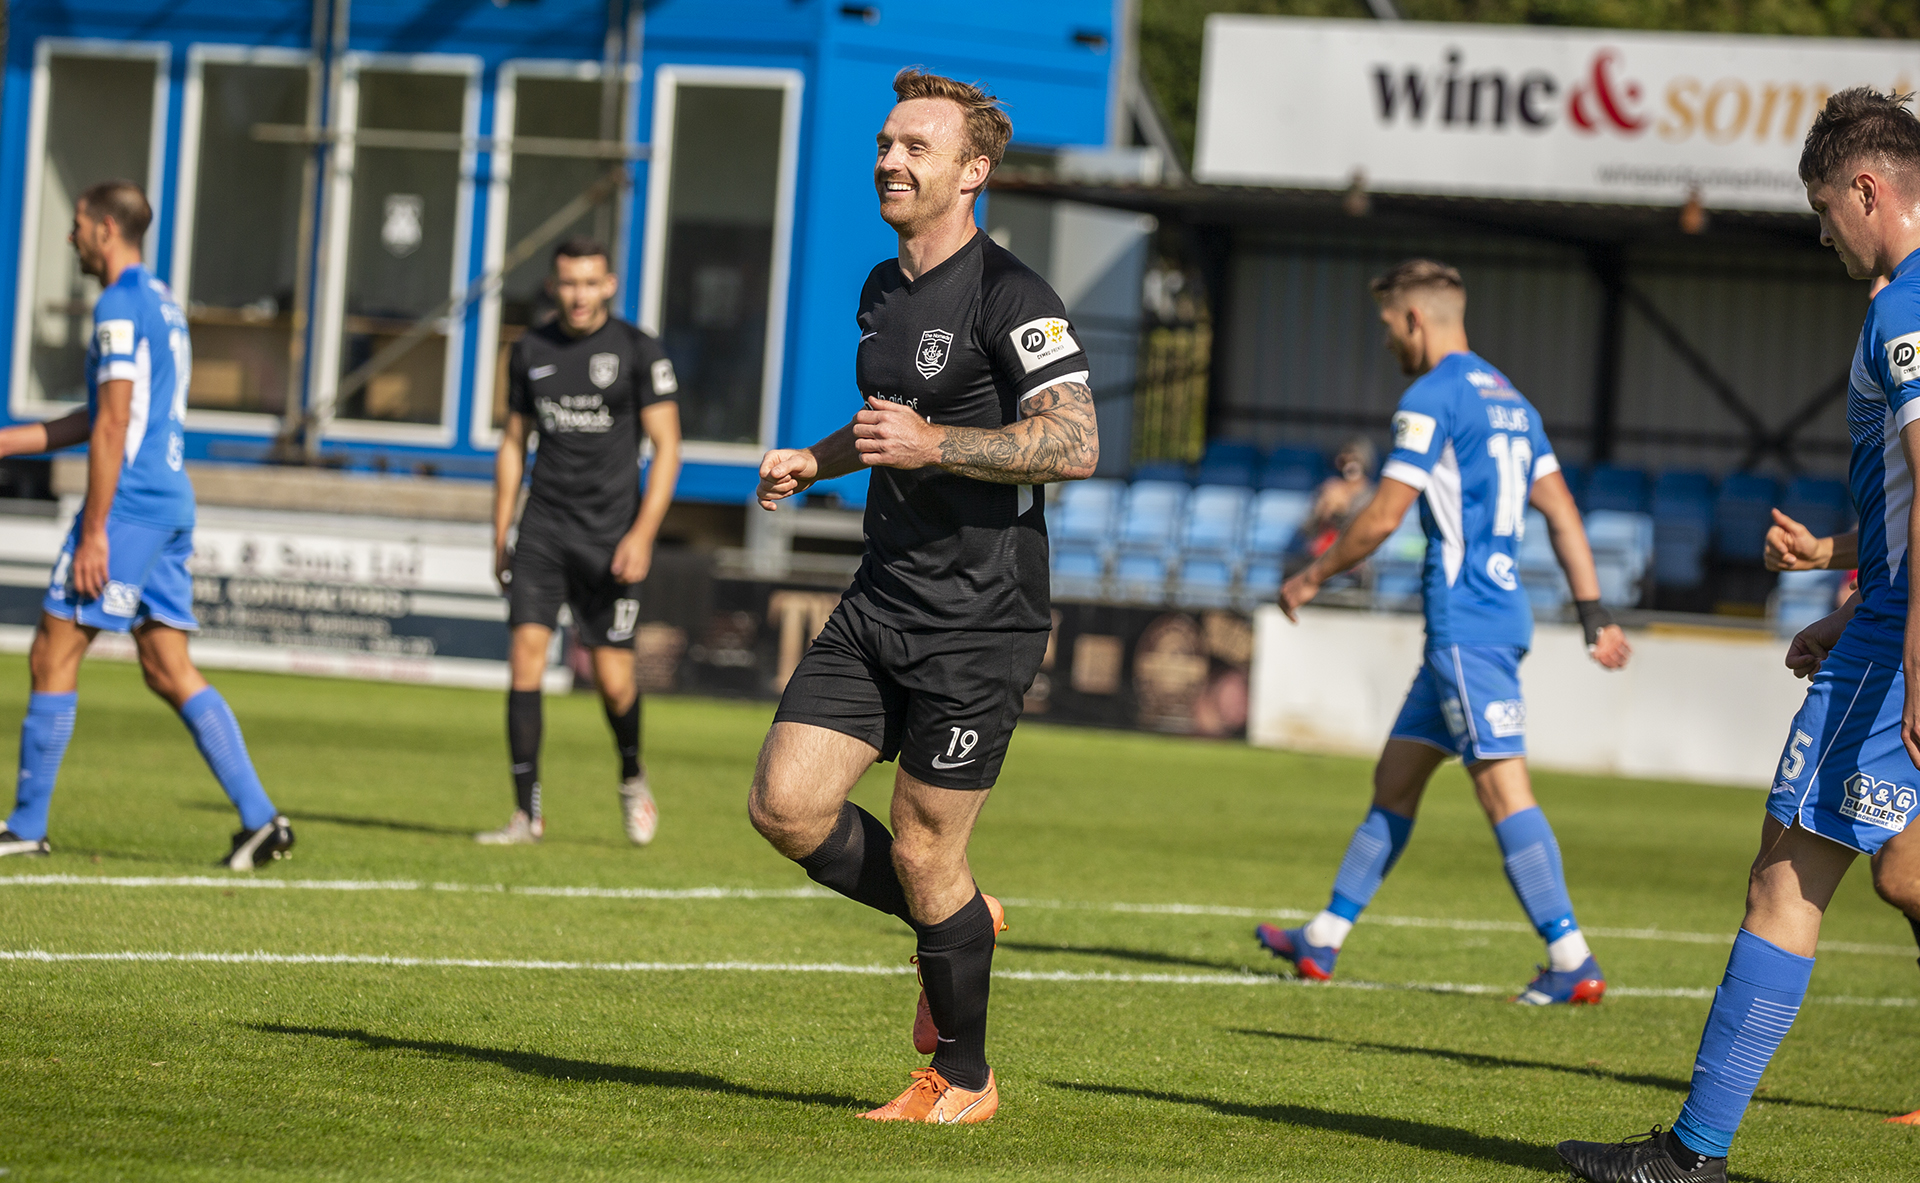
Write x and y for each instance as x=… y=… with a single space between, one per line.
x=1877 y=802
x=603 y=368
x=935 y=346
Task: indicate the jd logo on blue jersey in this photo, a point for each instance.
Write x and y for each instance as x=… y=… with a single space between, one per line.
x=1877 y=802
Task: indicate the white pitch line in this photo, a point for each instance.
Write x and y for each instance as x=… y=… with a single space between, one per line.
x=42 y=956
x=816 y=893
x=609 y=893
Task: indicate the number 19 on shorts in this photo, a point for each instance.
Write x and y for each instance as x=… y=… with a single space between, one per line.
x=960 y=745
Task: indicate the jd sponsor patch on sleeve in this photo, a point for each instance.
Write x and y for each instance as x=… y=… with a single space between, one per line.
x=1903 y=358
x=116 y=338
x=1412 y=431
x=664 y=382
x=1044 y=341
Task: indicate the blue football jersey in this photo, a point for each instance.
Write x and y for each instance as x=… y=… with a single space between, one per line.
x=140 y=336
x=1473 y=446
x=1883 y=396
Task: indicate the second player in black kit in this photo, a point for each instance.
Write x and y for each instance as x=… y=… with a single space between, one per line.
x=591 y=388
x=584 y=396
x=953 y=593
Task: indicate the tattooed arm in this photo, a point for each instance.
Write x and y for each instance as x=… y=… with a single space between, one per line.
x=1056 y=439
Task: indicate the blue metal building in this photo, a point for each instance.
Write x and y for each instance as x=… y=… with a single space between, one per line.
x=339 y=188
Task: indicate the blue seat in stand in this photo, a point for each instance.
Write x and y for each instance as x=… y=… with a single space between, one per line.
x=1228 y=462
x=1211 y=544
x=1149 y=532
x=1298 y=469
x=1272 y=522
x=1610 y=487
x=1822 y=504
x=1741 y=515
x=1682 y=528
x=1080 y=528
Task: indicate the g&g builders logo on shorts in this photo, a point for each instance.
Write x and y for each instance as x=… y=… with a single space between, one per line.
x=1877 y=802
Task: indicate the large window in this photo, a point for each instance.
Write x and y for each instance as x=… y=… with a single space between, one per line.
x=97 y=114
x=398 y=223
x=239 y=245
x=718 y=225
x=530 y=187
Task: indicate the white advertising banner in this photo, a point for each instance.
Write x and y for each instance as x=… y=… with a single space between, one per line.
x=1521 y=112
x=1706 y=705
x=323 y=594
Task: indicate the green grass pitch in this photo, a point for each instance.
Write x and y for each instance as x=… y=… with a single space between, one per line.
x=1193 y=1058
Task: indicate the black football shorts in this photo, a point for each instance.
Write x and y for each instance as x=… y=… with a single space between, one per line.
x=550 y=569
x=943 y=702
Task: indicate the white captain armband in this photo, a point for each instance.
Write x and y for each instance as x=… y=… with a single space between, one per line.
x=1079 y=376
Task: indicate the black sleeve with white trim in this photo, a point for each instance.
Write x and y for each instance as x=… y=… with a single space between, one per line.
x=1025 y=330
x=659 y=384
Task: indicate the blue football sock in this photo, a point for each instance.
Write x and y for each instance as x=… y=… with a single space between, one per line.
x=217 y=732
x=43 y=741
x=1533 y=867
x=1752 y=1010
x=1376 y=846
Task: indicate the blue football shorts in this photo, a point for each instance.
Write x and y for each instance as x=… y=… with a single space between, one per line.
x=147 y=579
x=1466 y=701
x=1845 y=775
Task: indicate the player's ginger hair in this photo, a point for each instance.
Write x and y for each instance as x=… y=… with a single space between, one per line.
x=987 y=127
x=1437 y=287
x=1858 y=125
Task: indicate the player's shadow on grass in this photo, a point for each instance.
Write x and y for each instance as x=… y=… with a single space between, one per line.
x=341 y=819
x=1672 y=1084
x=1419 y=1135
x=1146 y=956
x=557 y=1068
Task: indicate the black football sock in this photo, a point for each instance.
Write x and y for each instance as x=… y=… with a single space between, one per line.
x=1684 y=1156
x=856 y=860
x=523 y=741
x=626 y=735
x=1915 y=926
x=956 y=969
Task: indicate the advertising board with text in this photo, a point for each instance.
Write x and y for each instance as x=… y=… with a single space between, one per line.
x=1516 y=112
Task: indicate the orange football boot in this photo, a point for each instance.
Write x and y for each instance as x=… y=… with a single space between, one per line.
x=926 y=1037
x=932 y=1100
x=1904 y=1119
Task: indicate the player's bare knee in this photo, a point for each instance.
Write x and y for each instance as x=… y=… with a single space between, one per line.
x=921 y=857
x=784 y=813
x=1897 y=885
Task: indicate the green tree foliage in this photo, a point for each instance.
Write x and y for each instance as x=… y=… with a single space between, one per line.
x=1170 y=30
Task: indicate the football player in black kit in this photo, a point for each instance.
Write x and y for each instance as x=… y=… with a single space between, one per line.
x=975 y=396
x=591 y=386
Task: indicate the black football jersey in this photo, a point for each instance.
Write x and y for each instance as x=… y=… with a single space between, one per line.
x=584 y=396
x=962 y=345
